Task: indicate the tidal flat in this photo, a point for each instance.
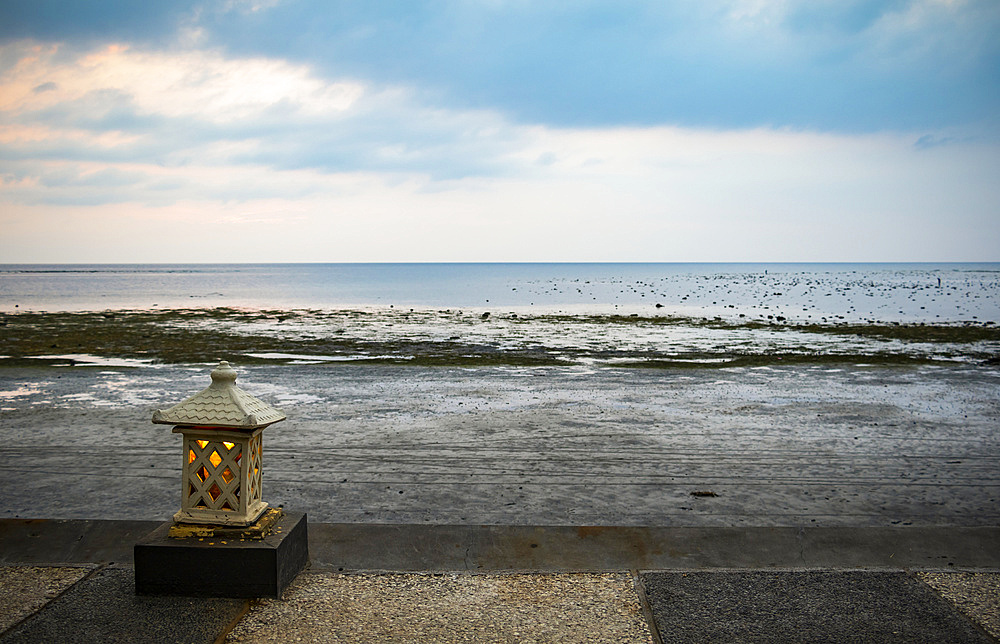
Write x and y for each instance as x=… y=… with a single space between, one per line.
x=432 y=337
x=571 y=436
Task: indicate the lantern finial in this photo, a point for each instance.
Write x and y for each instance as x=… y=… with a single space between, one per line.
x=223 y=375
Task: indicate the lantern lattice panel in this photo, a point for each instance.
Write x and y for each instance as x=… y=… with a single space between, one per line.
x=214 y=475
x=254 y=467
x=222 y=477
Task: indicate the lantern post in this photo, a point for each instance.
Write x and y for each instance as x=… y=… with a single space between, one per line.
x=224 y=541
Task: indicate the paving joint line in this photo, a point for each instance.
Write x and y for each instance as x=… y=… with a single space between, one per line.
x=228 y=628
x=93 y=571
x=647 y=608
x=954 y=606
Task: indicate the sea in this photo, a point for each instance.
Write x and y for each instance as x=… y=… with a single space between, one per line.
x=801 y=292
x=586 y=313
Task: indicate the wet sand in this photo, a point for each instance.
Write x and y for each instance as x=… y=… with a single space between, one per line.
x=809 y=445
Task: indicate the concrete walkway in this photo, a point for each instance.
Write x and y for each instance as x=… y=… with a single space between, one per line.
x=72 y=581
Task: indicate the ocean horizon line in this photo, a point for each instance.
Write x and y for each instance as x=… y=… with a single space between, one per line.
x=526 y=262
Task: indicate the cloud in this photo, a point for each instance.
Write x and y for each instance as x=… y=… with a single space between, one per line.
x=166 y=109
x=834 y=65
x=845 y=66
x=507 y=131
x=657 y=194
x=349 y=170
x=194 y=84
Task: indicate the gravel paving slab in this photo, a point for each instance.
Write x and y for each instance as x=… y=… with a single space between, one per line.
x=104 y=608
x=803 y=606
x=326 y=607
x=27 y=588
x=977 y=594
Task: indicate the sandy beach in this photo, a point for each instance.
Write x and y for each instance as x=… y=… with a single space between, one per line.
x=765 y=446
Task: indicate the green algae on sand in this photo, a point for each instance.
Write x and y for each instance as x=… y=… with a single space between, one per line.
x=467 y=339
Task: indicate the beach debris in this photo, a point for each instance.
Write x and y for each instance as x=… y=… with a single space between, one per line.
x=703 y=493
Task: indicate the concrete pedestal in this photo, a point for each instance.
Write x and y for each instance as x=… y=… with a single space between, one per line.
x=222 y=566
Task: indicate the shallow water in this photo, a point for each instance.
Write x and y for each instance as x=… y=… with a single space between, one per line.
x=853 y=292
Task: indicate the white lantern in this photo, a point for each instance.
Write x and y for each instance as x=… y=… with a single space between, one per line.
x=223 y=449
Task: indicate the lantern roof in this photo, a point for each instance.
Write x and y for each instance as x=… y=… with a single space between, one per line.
x=222 y=404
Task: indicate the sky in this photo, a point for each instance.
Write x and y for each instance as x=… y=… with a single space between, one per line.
x=499 y=130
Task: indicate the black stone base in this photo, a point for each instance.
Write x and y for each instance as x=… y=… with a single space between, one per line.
x=214 y=567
